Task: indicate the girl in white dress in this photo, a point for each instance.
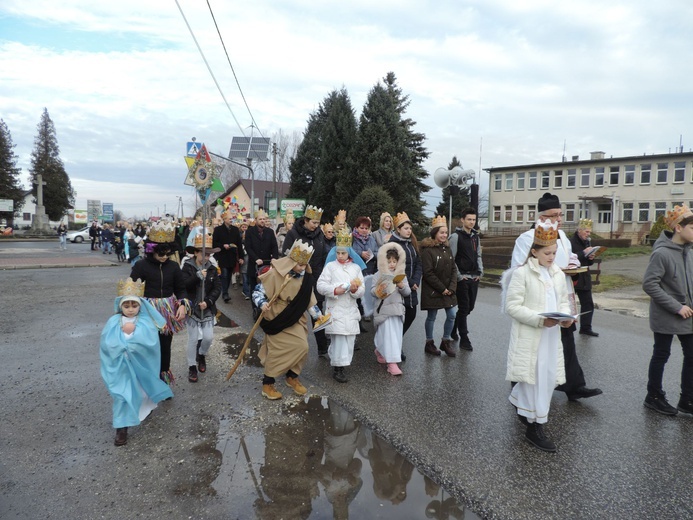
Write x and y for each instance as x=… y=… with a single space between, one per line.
x=535 y=355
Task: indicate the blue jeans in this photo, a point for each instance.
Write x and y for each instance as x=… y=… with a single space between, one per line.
x=106 y=246
x=447 y=326
x=660 y=356
x=63 y=241
x=246 y=285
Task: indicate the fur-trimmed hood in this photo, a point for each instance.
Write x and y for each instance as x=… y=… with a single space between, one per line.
x=382 y=258
x=430 y=242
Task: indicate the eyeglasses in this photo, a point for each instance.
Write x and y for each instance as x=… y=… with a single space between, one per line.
x=555 y=216
x=168 y=253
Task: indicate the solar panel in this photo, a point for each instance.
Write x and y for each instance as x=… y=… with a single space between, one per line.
x=254 y=148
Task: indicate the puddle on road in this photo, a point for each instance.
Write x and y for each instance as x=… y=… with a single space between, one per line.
x=234 y=344
x=324 y=464
x=224 y=321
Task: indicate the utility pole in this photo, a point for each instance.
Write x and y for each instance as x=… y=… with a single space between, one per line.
x=274 y=178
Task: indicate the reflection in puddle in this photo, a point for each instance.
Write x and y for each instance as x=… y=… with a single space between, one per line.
x=324 y=464
x=234 y=344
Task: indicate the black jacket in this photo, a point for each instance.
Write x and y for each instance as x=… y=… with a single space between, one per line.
x=413 y=268
x=161 y=279
x=313 y=238
x=584 y=280
x=264 y=248
x=231 y=235
x=193 y=285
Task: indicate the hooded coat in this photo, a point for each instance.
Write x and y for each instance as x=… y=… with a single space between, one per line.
x=669 y=283
x=393 y=304
x=439 y=273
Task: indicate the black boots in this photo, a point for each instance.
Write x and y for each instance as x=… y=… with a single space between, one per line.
x=535 y=434
x=339 y=375
x=465 y=344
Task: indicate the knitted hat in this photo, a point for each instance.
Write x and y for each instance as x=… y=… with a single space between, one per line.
x=548 y=201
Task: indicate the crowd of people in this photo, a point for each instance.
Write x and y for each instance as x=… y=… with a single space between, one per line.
x=339 y=277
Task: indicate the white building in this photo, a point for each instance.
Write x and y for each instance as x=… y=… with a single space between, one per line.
x=624 y=196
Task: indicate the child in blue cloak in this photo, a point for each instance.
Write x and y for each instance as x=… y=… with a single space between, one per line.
x=131 y=357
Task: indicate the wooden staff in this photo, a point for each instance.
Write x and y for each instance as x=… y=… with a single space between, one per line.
x=287 y=279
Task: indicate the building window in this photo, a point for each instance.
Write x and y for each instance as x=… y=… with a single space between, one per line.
x=496 y=213
x=662 y=169
x=26 y=216
x=531 y=213
x=584 y=177
x=532 y=181
x=660 y=209
x=645 y=173
x=677 y=204
x=520 y=181
x=519 y=213
x=570 y=179
x=627 y=208
x=643 y=211
x=508 y=182
x=558 y=178
x=604 y=213
x=545 y=180
x=599 y=176
x=497 y=181
x=679 y=171
x=508 y=214
x=629 y=174
x=570 y=212
x=613 y=175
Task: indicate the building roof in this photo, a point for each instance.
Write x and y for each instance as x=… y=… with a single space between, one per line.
x=683 y=156
x=260 y=187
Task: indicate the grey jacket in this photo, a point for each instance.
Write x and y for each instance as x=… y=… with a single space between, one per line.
x=669 y=283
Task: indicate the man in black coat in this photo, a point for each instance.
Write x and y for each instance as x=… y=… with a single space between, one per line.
x=227 y=238
x=580 y=243
x=308 y=230
x=261 y=246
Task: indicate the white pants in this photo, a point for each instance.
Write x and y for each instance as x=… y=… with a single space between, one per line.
x=341 y=349
x=199 y=331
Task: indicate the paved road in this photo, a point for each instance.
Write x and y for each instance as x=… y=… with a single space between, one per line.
x=451 y=417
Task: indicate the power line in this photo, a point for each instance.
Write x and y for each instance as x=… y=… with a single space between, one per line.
x=209 y=68
x=252 y=119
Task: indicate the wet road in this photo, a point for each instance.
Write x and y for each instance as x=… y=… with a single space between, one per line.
x=450 y=417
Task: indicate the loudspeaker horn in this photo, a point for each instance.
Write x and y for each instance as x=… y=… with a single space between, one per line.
x=441 y=177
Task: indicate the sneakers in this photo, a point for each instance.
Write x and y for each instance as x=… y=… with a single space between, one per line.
x=659 y=403
x=121 y=438
x=446 y=346
x=270 y=392
x=535 y=434
x=393 y=369
x=294 y=383
x=685 y=405
x=339 y=375
x=379 y=357
x=192 y=374
x=201 y=363
x=430 y=348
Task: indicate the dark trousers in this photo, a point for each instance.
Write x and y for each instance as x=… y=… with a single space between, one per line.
x=586 y=309
x=267 y=380
x=165 y=341
x=574 y=378
x=660 y=356
x=93 y=243
x=467 y=290
x=320 y=336
x=225 y=279
x=409 y=316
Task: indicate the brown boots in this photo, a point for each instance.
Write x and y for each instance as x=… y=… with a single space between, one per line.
x=446 y=346
x=430 y=348
x=121 y=438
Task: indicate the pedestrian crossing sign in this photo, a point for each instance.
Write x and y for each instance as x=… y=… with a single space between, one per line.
x=193 y=148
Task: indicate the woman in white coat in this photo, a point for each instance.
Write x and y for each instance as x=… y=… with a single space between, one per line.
x=535 y=355
x=341 y=282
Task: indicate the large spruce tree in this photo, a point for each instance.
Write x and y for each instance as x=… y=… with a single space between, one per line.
x=303 y=167
x=460 y=196
x=58 y=194
x=10 y=187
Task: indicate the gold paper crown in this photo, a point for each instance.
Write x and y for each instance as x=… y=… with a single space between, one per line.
x=341 y=216
x=162 y=232
x=585 y=223
x=545 y=233
x=198 y=241
x=260 y=214
x=301 y=252
x=313 y=213
x=129 y=287
x=400 y=219
x=289 y=217
x=344 y=238
x=327 y=227
x=676 y=215
x=438 y=221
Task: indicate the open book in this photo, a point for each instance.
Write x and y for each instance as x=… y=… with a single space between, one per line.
x=594 y=250
x=561 y=316
x=387 y=284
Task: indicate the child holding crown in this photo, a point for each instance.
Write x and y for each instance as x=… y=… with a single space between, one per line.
x=535 y=356
x=130 y=358
x=341 y=282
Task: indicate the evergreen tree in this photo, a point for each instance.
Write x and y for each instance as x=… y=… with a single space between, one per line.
x=58 y=194
x=371 y=202
x=10 y=187
x=460 y=196
x=303 y=167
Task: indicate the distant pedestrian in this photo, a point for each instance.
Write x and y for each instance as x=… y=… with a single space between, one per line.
x=107 y=239
x=62 y=235
x=581 y=244
x=227 y=239
x=130 y=358
x=535 y=355
x=94 y=234
x=669 y=283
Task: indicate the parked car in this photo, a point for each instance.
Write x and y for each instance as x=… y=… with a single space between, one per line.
x=78 y=237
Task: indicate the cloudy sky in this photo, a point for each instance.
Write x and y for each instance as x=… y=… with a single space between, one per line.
x=126 y=86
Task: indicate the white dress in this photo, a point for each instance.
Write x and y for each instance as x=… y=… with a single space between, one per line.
x=534 y=401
